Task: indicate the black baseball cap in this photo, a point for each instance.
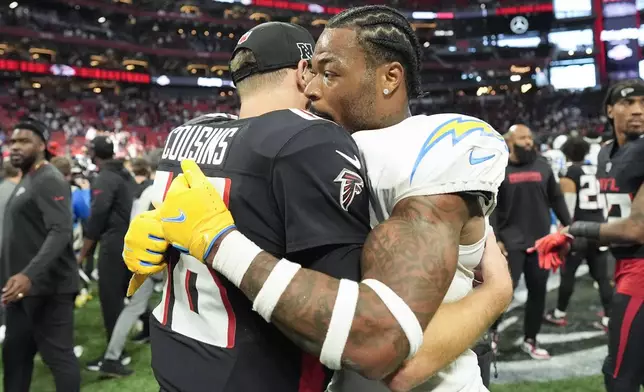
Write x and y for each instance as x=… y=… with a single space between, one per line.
x=103 y=147
x=624 y=89
x=275 y=45
x=40 y=129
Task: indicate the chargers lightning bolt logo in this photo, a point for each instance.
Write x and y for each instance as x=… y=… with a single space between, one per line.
x=351 y=184
x=458 y=128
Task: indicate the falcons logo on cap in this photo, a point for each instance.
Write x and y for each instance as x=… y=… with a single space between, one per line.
x=244 y=37
x=351 y=184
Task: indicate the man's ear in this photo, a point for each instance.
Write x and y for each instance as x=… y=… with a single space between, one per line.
x=391 y=76
x=609 y=112
x=303 y=74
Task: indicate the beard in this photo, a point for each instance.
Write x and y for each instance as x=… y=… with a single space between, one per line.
x=24 y=163
x=632 y=135
x=525 y=156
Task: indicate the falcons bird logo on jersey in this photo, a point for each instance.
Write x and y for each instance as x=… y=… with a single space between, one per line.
x=351 y=184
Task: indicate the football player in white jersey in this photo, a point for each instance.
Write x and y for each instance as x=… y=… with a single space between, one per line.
x=594 y=139
x=435 y=197
x=409 y=157
x=556 y=158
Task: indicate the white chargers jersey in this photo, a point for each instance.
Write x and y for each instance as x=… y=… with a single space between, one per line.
x=557 y=161
x=430 y=155
x=593 y=153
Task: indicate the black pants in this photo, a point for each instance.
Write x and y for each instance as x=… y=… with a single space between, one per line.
x=43 y=324
x=598 y=268
x=535 y=279
x=89 y=260
x=112 y=283
x=624 y=366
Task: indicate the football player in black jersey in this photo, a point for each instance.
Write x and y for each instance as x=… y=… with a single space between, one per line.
x=620 y=172
x=580 y=187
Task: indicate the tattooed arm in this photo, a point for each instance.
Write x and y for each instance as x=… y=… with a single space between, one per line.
x=414 y=253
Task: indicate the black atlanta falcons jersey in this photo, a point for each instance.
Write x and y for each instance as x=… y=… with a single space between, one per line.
x=620 y=172
x=294 y=185
x=590 y=201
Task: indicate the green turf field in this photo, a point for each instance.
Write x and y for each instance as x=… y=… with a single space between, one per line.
x=90 y=335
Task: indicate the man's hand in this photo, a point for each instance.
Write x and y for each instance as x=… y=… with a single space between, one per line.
x=193 y=214
x=501 y=247
x=447 y=337
x=552 y=250
x=494 y=268
x=16 y=288
x=82 y=183
x=143 y=248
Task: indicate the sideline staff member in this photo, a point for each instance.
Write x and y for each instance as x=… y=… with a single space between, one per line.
x=113 y=192
x=38 y=266
x=521 y=217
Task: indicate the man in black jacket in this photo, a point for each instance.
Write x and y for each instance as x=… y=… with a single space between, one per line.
x=521 y=217
x=39 y=272
x=113 y=193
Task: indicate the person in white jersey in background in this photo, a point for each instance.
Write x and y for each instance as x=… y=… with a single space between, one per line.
x=554 y=155
x=594 y=139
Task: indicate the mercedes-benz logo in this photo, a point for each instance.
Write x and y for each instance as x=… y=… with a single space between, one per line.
x=519 y=24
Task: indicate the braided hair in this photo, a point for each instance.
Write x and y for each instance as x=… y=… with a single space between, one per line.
x=386 y=36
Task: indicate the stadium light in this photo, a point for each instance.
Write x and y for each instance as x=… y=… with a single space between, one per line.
x=515 y=78
x=101 y=19
x=13 y=5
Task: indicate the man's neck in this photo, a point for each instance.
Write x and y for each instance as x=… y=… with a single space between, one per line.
x=395 y=118
x=14 y=180
x=621 y=139
x=35 y=166
x=261 y=103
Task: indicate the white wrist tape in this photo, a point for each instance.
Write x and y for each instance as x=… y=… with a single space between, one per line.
x=234 y=256
x=340 y=324
x=401 y=312
x=273 y=288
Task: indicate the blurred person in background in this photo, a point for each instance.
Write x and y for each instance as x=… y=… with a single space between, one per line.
x=10 y=177
x=594 y=140
x=140 y=169
x=40 y=275
x=113 y=192
x=137 y=307
x=581 y=191
x=80 y=212
x=555 y=156
x=522 y=216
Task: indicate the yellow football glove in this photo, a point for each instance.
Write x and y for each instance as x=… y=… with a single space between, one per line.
x=193 y=214
x=144 y=248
